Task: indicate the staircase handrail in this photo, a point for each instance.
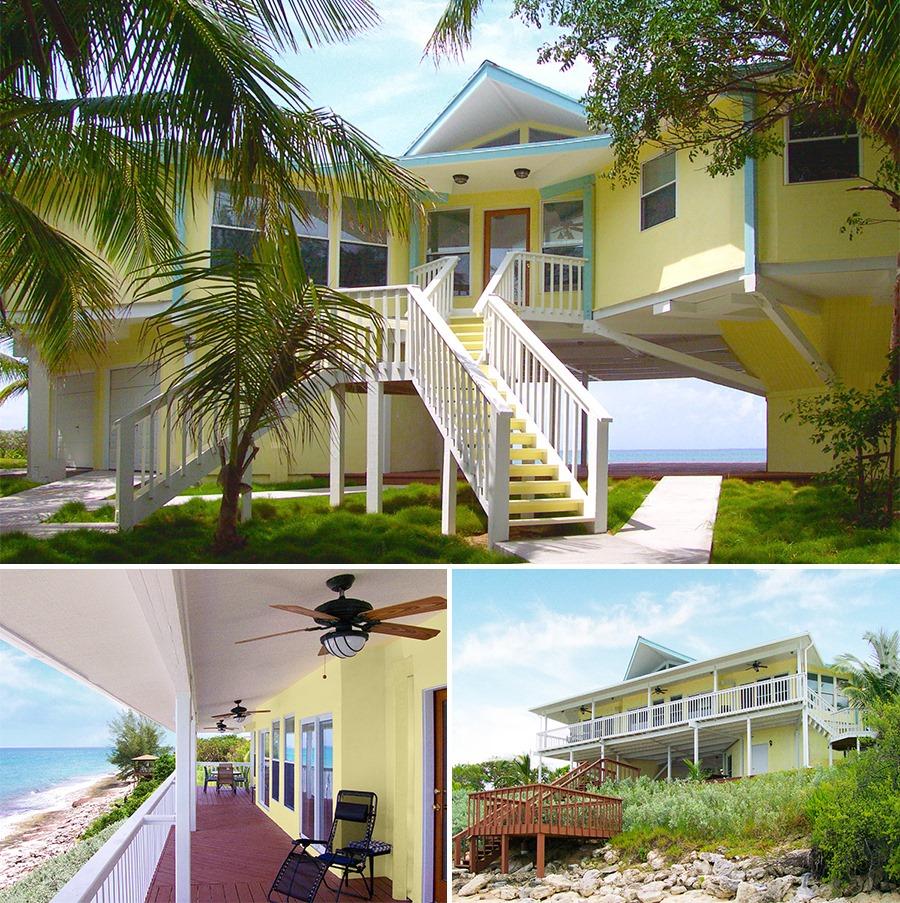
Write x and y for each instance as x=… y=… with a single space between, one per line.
x=435 y=278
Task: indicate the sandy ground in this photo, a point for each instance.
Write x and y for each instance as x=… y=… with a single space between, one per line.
x=41 y=835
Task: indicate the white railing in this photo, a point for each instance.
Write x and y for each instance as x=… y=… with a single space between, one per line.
x=838 y=722
x=567 y=417
x=122 y=870
x=468 y=410
x=540 y=286
x=160 y=451
x=752 y=697
x=435 y=278
x=391 y=302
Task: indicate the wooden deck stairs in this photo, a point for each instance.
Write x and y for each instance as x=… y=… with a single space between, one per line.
x=562 y=808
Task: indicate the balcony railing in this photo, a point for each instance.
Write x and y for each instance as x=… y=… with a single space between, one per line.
x=122 y=869
x=763 y=694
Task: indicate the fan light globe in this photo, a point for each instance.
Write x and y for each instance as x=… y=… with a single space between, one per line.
x=345 y=643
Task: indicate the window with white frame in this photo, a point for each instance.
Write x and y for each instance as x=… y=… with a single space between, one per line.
x=364 y=253
x=821 y=147
x=563 y=228
x=448 y=235
x=276 y=760
x=289 y=758
x=312 y=233
x=263 y=764
x=316 y=776
x=234 y=230
x=658 y=190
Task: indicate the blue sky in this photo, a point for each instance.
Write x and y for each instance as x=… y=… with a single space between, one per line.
x=523 y=637
x=380 y=83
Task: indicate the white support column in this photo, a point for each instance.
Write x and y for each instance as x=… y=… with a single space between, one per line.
x=649 y=698
x=748 y=755
x=830 y=753
x=571 y=760
x=669 y=763
x=805 y=727
x=540 y=769
x=337 y=431
x=387 y=404
x=696 y=743
x=184 y=788
x=193 y=772
x=247 y=497
x=44 y=463
x=602 y=750
x=593 y=710
x=448 y=491
x=374 y=446
x=598 y=473
x=857 y=747
x=715 y=680
x=498 y=478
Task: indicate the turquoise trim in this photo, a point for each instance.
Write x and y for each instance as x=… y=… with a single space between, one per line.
x=554 y=191
x=511 y=152
x=750 y=217
x=587 y=201
x=503 y=76
x=415 y=244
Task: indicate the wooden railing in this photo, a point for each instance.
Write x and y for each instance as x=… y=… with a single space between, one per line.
x=594 y=773
x=544 y=809
x=568 y=418
x=540 y=286
x=776 y=691
x=122 y=869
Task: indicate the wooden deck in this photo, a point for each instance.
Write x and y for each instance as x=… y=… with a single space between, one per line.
x=236 y=852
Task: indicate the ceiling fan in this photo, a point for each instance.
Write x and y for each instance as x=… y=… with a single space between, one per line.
x=349 y=621
x=220 y=726
x=755 y=665
x=661 y=691
x=240 y=712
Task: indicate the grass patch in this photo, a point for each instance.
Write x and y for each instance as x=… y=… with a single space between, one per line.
x=745 y=817
x=12 y=485
x=784 y=523
x=625 y=497
x=78 y=513
x=211 y=487
x=12 y=463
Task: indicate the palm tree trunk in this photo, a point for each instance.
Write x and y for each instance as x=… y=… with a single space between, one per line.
x=227 y=537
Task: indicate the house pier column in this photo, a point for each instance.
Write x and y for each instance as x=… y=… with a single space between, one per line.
x=185 y=780
x=696 y=743
x=669 y=763
x=748 y=756
x=540 y=769
x=539 y=858
x=374 y=446
x=805 y=727
x=448 y=491
x=336 y=440
x=504 y=854
x=44 y=462
x=830 y=753
x=571 y=760
x=602 y=750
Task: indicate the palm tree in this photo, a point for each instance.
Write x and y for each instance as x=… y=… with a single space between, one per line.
x=13 y=372
x=110 y=112
x=878 y=679
x=268 y=345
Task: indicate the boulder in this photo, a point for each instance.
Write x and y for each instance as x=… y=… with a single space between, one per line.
x=558 y=882
x=701 y=867
x=677 y=889
x=720 y=886
x=656 y=862
x=473 y=886
x=653 y=892
x=568 y=896
x=610 y=856
x=750 y=892
x=543 y=892
x=507 y=892
x=589 y=883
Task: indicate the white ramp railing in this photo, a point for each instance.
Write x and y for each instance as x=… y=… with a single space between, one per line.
x=122 y=870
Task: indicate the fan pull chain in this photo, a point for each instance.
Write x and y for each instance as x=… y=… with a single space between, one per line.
x=324 y=664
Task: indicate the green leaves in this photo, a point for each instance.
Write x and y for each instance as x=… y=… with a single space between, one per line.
x=877 y=680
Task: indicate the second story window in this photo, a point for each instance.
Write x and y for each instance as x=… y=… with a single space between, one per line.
x=363 y=246
x=563 y=228
x=312 y=233
x=232 y=229
x=821 y=147
x=658 y=190
x=448 y=235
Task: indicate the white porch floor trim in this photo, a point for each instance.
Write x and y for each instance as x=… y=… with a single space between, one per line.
x=674 y=525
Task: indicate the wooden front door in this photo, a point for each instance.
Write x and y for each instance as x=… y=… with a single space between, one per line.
x=441 y=807
x=504 y=230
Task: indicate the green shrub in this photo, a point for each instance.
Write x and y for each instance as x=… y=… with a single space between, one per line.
x=14 y=444
x=121 y=810
x=42 y=884
x=856 y=813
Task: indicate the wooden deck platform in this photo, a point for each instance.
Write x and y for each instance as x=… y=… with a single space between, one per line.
x=236 y=852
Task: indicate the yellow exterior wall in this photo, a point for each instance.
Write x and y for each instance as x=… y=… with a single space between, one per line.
x=376 y=703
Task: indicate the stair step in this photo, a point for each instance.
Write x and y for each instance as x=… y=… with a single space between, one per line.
x=466 y=321
x=546 y=506
x=539 y=487
x=551 y=521
x=528 y=440
x=533 y=470
x=528 y=454
x=472 y=344
x=467 y=329
x=517 y=423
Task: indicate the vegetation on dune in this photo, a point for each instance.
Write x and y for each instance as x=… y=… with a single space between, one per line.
x=79 y=513
x=14 y=446
x=784 y=523
x=229 y=748
x=133 y=735
x=12 y=485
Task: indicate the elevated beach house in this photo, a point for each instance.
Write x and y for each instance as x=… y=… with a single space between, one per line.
x=166 y=643
x=530 y=275
x=770 y=707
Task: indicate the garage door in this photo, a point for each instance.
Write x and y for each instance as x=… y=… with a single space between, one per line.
x=129 y=387
x=75 y=418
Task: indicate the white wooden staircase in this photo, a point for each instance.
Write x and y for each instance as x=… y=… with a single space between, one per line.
x=513 y=417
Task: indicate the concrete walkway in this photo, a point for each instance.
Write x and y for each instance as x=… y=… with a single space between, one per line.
x=674 y=525
x=27 y=510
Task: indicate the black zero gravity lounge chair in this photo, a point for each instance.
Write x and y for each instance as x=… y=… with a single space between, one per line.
x=302 y=873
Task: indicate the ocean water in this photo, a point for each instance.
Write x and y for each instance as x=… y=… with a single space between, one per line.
x=33 y=779
x=687 y=455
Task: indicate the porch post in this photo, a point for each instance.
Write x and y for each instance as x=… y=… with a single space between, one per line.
x=748 y=756
x=602 y=750
x=540 y=768
x=504 y=853
x=598 y=473
x=857 y=748
x=715 y=680
x=669 y=763
x=539 y=859
x=571 y=760
x=830 y=753
x=805 y=727
x=336 y=437
x=184 y=788
x=44 y=464
x=374 y=445
x=696 y=743
x=587 y=210
x=194 y=773
x=448 y=491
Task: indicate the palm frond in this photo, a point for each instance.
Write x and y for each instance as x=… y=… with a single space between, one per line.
x=452 y=35
x=12 y=390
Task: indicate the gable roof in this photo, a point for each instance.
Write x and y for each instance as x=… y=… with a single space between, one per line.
x=491 y=98
x=648 y=657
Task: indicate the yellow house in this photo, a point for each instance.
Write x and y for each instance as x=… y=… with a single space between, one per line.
x=771 y=707
x=531 y=275
x=369 y=716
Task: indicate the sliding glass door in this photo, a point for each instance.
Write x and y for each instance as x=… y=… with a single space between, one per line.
x=316 y=776
x=264 y=765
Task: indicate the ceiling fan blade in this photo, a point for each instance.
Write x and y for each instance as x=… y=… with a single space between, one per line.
x=257 y=711
x=407 y=630
x=405 y=609
x=309 y=612
x=268 y=636
x=323 y=650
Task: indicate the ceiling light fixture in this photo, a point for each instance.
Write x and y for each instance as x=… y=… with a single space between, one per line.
x=521 y=172
x=344 y=642
x=460 y=178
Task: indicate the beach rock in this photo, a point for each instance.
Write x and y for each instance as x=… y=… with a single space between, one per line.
x=507 y=892
x=677 y=889
x=475 y=885
x=568 y=896
x=543 y=892
x=749 y=892
x=610 y=856
x=720 y=886
x=652 y=892
x=589 y=883
x=558 y=882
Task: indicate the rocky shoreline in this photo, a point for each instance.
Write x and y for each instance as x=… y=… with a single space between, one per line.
x=599 y=876
x=46 y=834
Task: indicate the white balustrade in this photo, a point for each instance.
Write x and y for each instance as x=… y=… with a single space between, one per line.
x=391 y=302
x=435 y=278
x=763 y=694
x=122 y=870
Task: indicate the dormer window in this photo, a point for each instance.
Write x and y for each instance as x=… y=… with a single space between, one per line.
x=506 y=140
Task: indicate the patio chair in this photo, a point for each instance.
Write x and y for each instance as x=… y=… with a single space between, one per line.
x=225 y=778
x=302 y=873
x=208 y=777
